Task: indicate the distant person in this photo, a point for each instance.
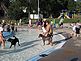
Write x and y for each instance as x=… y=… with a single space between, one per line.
x=61 y=22
x=4 y=26
x=16 y=29
x=8 y=28
x=1 y=38
x=61 y=17
x=53 y=23
x=39 y=23
x=12 y=27
x=78 y=23
x=73 y=29
x=77 y=30
x=30 y=23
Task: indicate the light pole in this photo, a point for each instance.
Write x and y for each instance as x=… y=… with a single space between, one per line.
x=38 y=10
x=29 y=9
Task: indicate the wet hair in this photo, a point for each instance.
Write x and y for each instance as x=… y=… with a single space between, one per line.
x=44 y=23
x=47 y=21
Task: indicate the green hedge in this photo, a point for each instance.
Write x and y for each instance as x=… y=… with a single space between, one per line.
x=66 y=20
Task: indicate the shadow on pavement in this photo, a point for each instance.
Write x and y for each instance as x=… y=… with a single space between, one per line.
x=27 y=43
x=57 y=42
x=23 y=46
x=74 y=59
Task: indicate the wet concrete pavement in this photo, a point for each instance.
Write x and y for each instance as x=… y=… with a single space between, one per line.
x=31 y=45
x=71 y=51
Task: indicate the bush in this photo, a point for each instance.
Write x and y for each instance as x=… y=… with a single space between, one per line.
x=66 y=20
x=25 y=20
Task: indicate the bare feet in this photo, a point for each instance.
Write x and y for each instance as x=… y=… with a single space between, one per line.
x=51 y=44
x=47 y=43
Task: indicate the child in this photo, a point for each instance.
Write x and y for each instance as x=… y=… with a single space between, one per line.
x=74 y=29
x=1 y=38
x=77 y=30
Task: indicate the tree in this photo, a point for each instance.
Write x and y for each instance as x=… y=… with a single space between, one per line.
x=50 y=7
x=14 y=10
x=47 y=7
